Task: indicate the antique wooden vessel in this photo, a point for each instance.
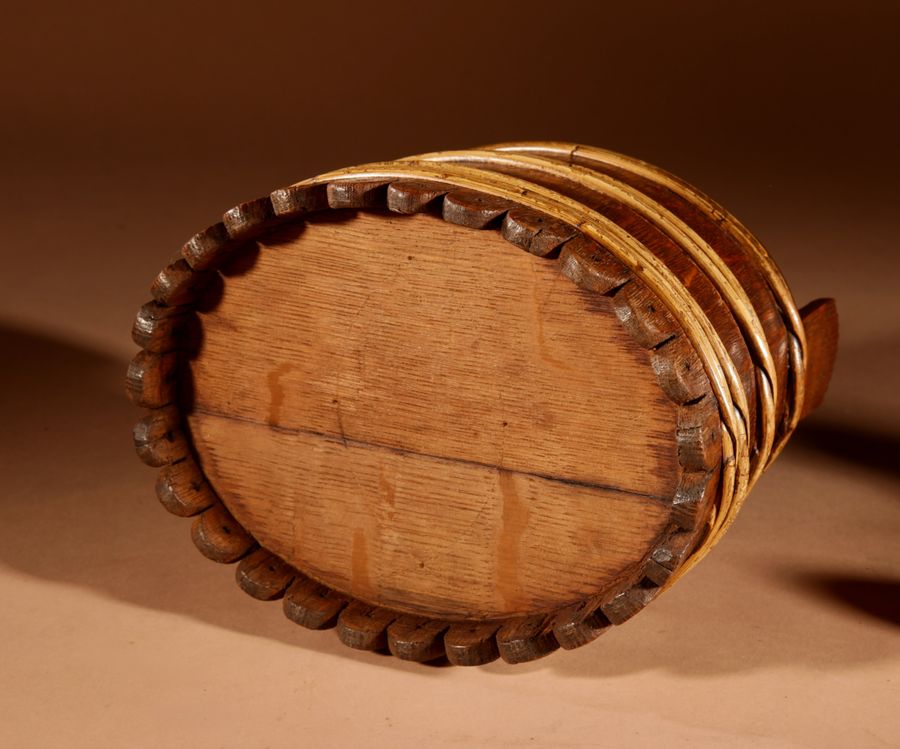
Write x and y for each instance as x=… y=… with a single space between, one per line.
x=477 y=404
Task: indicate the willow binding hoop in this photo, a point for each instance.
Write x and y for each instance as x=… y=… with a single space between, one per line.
x=672 y=263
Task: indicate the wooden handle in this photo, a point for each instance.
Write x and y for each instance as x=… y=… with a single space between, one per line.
x=820 y=320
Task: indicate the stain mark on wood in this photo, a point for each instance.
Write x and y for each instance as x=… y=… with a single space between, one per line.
x=514 y=521
x=359 y=562
x=276 y=392
x=387 y=489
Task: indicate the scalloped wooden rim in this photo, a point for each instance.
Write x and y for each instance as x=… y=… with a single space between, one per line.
x=183 y=489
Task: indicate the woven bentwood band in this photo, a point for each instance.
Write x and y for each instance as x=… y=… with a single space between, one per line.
x=688 y=283
x=743 y=462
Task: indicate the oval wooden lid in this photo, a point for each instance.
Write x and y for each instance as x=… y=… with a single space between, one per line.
x=423 y=434
x=432 y=421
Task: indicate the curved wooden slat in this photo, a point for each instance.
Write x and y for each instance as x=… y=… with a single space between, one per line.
x=410 y=196
x=246 y=220
x=699 y=436
x=178 y=284
x=263 y=575
x=640 y=312
x=183 y=490
x=679 y=371
x=159 y=439
x=526 y=639
x=590 y=267
x=219 y=536
x=473 y=209
x=156 y=327
x=415 y=638
x=208 y=247
x=695 y=496
x=150 y=381
x=299 y=200
x=535 y=232
x=311 y=604
x=364 y=627
x=580 y=624
x=471 y=643
x=628 y=603
x=372 y=194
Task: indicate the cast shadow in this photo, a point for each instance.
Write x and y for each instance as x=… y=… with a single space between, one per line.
x=866 y=447
x=79 y=509
x=785 y=613
x=877 y=597
x=852 y=427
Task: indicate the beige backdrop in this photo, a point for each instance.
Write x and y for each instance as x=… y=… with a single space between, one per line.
x=124 y=130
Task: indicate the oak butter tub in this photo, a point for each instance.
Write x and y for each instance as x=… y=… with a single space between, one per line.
x=471 y=404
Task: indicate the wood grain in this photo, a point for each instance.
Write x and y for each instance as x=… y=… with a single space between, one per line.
x=150 y=381
x=820 y=319
x=414 y=638
x=414 y=196
x=311 y=604
x=579 y=624
x=358 y=412
x=654 y=230
x=219 y=537
x=364 y=627
x=156 y=327
x=297 y=201
x=690 y=205
x=182 y=488
x=208 y=247
x=472 y=644
x=589 y=266
x=473 y=209
x=443 y=444
x=248 y=219
x=159 y=439
x=526 y=639
x=263 y=575
x=179 y=284
x=535 y=232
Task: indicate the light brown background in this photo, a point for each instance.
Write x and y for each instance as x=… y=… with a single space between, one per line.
x=125 y=128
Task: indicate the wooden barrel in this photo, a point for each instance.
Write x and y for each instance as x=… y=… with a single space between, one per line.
x=471 y=404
